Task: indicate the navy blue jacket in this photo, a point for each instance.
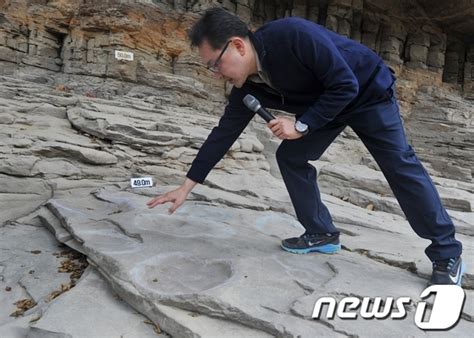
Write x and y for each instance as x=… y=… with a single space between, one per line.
x=315 y=73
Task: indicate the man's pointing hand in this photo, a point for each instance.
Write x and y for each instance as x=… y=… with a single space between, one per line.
x=177 y=196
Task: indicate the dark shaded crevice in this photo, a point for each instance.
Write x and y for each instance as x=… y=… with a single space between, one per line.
x=278 y=209
x=335 y=272
x=403 y=51
x=174 y=59
x=243 y=193
x=64 y=222
x=3 y=19
x=332 y=267
x=306 y=288
x=9 y=62
x=323 y=12
x=105 y=75
x=361 y=224
x=348 y=232
x=220 y=310
x=464 y=61
x=467 y=317
x=203 y=198
x=38 y=175
x=379 y=38
x=270 y=309
x=29 y=295
x=123 y=231
x=61 y=45
x=409 y=266
x=468 y=280
x=28 y=33
x=356 y=25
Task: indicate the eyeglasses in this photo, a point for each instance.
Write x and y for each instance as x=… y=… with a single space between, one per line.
x=214 y=67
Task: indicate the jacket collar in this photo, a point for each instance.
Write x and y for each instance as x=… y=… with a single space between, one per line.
x=258 y=45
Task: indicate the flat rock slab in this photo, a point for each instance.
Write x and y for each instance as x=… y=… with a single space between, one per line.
x=20 y=196
x=91 y=309
x=225 y=264
x=28 y=270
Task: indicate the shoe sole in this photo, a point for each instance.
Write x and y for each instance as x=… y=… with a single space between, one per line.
x=327 y=249
x=463 y=269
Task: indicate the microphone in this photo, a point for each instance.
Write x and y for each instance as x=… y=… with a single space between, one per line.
x=254 y=105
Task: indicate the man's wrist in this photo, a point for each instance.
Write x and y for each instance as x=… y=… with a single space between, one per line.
x=301 y=127
x=188 y=184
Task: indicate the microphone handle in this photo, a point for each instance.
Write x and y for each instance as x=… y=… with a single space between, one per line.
x=267 y=116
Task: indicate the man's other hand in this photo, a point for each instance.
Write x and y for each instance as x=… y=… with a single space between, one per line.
x=284 y=128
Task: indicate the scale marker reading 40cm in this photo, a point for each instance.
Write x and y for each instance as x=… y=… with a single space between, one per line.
x=141 y=182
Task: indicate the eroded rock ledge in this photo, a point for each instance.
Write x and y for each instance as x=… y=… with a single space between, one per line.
x=80 y=37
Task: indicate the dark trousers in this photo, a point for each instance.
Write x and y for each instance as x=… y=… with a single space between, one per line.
x=378 y=125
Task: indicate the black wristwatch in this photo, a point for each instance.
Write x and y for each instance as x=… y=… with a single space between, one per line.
x=301 y=127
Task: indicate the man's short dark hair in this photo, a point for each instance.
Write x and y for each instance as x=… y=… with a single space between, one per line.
x=216 y=26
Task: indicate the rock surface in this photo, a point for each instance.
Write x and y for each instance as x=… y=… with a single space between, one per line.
x=215 y=266
x=106 y=312
x=36 y=273
x=229 y=265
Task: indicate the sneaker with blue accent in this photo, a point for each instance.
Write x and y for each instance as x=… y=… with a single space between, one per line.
x=306 y=243
x=448 y=271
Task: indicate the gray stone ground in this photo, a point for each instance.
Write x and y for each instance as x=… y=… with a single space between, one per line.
x=214 y=268
x=29 y=270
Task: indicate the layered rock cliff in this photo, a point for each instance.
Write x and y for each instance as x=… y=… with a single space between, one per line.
x=80 y=37
x=430 y=45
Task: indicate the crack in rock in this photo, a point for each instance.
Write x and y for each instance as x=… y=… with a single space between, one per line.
x=2 y=268
x=122 y=230
x=467 y=317
x=335 y=272
x=243 y=192
x=409 y=266
x=332 y=267
x=271 y=309
x=218 y=309
x=306 y=288
x=225 y=202
x=64 y=222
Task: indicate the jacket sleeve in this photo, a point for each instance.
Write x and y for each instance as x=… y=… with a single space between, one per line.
x=232 y=123
x=323 y=58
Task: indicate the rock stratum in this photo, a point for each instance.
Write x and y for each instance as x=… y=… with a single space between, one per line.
x=82 y=255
